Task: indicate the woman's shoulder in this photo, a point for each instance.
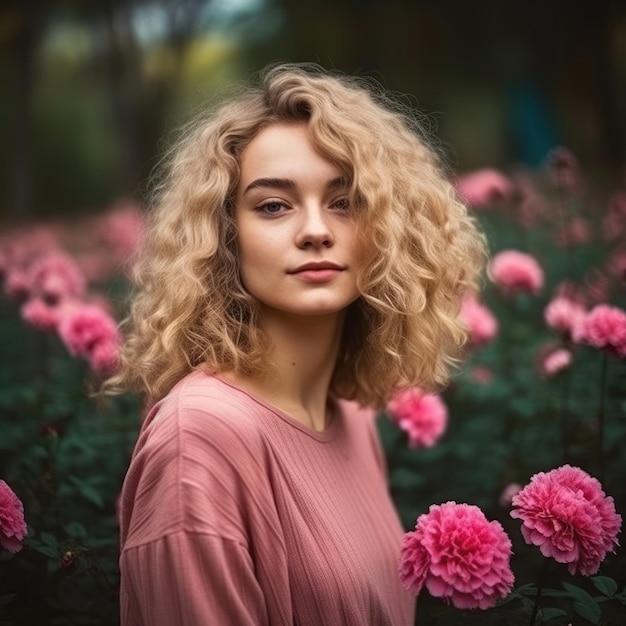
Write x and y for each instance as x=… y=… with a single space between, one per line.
x=201 y=406
x=357 y=415
x=357 y=410
x=198 y=446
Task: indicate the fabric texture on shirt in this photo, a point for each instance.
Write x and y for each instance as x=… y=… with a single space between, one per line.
x=234 y=513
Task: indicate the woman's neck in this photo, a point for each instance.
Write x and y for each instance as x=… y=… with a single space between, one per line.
x=304 y=353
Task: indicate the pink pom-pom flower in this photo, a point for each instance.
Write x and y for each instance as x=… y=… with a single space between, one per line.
x=516 y=272
x=423 y=416
x=17 y=283
x=603 y=328
x=556 y=361
x=104 y=358
x=12 y=525
x=563 y=314
x=40 y=314
x=567 y=515
x=482 y=324
x=55 y=276
x=122 y=228
x=506 y=497
x=90 y=332
x=484 y=187
x=459 y=555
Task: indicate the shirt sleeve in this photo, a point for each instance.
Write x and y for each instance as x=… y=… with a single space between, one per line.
x=190 y=579
x=198 y=525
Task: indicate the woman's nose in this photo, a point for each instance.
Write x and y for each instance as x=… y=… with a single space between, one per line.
x=315 y=229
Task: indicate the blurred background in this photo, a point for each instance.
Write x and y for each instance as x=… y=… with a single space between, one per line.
x=92 y=89
x=92 y=92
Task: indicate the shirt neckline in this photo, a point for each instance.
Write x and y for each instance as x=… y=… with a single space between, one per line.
x=320 y=435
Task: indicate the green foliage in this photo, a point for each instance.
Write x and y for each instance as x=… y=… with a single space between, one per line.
x=64 y=453
x=521 y=422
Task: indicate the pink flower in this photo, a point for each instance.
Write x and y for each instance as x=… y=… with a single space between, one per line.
x=4 y=261
x=531 y=205
x=516 y=272
x=17 y=284
x=22 y=245
x=484 y=187
x=571 y=291
x=563 y=314
x=422 y=415
x=104 y=357
x=506 y=497
x=483 y=326
x=122 y=228
x=603 y=328
x=577 y=231
x=617 y=264
x=97 y=265
x=90 y=332
x=566 y=513
x=597 y=285
x=481 y=374
x=56 y=276
x=12 y=524
x=39 y=314
x=556 y=361
x=458 y=555
x=614 y=223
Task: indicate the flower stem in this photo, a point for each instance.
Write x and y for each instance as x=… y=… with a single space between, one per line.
x=540 y=585
x=601 y=415
x=564 y=414
x=533 y=615
x=562 y=208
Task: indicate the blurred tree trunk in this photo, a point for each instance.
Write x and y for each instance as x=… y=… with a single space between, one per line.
x=140 y=102
x=605 y=69
x=28 y=18
x=565 y=51
x=123 y=79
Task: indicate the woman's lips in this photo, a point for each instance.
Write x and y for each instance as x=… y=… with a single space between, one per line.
x=322 y=275
x=317 y=271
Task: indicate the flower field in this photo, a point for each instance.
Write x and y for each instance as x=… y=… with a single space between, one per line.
x=533 y=427
x=511 y=482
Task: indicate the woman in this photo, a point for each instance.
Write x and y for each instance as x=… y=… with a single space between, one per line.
x=306 y=258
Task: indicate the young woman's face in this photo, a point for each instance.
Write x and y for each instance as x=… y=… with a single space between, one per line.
x=296 y=239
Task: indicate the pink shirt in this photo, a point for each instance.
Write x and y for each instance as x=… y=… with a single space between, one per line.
x=234 y=513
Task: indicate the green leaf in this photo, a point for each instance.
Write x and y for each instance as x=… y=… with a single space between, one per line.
x=577 y=593
x=589 y=610
x=76 y=530
x=551 y=613
x=47 y=550
x=605 y=585
x=554 y=593
x=49 y=539
x=584 y=604
x=91 y=494
x=529 y=589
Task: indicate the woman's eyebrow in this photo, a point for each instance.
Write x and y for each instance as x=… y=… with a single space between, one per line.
x=276 y=183
x=285 y=183
x=337 y=183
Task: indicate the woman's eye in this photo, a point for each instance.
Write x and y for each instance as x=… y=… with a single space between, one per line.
x=343 y=204
x=272 y=207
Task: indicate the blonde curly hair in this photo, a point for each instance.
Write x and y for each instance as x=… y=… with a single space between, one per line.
x=423 y=250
